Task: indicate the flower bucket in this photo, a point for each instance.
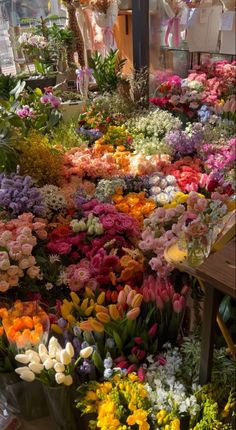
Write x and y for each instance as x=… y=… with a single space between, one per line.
x=27 y=399
x=7 y=379
x=60 y=401
x=71 y=110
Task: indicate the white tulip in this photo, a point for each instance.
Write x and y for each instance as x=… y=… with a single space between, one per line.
x=86 y=352
x=44 y=357
x=48 y=364
x=68 y=380
x=53 y=347
x=27 y=376
x=36 y=367
x=19 y=370
x=65 y=358
x=42 y=349
x=59 y=367
x=33 y=355
x=22 y=358
x=60 y=377
x=70 y=349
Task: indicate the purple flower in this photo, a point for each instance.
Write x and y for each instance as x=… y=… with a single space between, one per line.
x=18 y=194
x=185 y=142
x=50 y=99
x=25 y=112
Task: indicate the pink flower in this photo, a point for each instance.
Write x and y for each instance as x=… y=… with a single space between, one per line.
x=141 y=374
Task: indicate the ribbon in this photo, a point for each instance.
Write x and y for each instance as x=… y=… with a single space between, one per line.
x=108 y=36
x=81 y=74
x=173 y=26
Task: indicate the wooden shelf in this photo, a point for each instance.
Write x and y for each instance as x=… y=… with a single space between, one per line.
x=125 y=12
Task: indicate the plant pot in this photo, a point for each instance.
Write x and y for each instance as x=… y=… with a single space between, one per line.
x=27 y=399
x=71 y=110
x=60 y=401
x=48 y=81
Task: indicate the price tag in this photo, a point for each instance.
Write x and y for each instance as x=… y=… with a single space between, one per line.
x=227 y=21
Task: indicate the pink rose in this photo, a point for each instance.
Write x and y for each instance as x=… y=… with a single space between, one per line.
x=33 y=272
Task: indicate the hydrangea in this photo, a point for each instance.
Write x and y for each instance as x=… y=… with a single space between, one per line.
x=18 y=194
x=91 y=134
x=185 y=142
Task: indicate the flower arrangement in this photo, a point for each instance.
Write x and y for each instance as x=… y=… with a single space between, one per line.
x=119 y=402
x=162 y=188
x=26 y=324
x=185 y=142
x=135 y=204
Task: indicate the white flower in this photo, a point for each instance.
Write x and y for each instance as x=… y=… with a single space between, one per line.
x=53 y=347
x=68 y=380
x=59 y=367
x=54 y=258
x=22 y=358
x=60 y=378
x=33 y=355
x=48 y=363
x=42 y=349
x=70 y=349
x=86 y=352
x=48 y=286
x=65 y=358
x=36 y=367
x=27 y=376
x=62 y=278
x=19 y=370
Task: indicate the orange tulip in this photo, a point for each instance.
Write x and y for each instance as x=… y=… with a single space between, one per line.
x=114 y=313
x=137 y=300
x=103 y=317
x=97 y=326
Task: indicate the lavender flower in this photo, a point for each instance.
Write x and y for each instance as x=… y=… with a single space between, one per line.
x=91 y=134
x=18 y=194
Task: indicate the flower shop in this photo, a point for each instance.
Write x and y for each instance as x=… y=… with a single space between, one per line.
x=117 y=215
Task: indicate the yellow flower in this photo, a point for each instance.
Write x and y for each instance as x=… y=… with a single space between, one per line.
x=91 y=395
x=56 y=329
x=175 y=424
x=139 y=417
x=133 y=377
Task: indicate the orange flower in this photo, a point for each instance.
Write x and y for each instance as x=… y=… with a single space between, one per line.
x=1 y=331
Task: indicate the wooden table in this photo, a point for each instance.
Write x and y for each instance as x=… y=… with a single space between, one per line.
x=218 y=274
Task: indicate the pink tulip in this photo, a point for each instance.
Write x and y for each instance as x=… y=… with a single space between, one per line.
x=133 y=313
x=141 y=374
x=159 y=303
x=153 y=330
x=132 y=368
x=138 y=340
x=177 y=306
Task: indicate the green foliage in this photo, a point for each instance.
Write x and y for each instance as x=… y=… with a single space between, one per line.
x=8 y=155
x=65 y=137
x=223 y=366
x=8 y=83
x=107 y=71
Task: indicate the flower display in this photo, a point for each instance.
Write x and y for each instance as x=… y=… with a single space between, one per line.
x=97 y=216
x=25 y=325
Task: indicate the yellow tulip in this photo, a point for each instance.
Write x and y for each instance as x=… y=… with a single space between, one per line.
x=103 y=317
x=101 y=298
x=84 y=305
x=56 y=329
x=89 y=311
x=75 y=298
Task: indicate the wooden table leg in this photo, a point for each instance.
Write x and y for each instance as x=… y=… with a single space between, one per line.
x=211 y=306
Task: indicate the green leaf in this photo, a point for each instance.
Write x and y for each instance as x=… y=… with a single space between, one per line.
x=98 y=362
x=118 y=340
x=226 y=308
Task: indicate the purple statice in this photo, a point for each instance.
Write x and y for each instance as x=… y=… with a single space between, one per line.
x=18 y=194
x=80 y=198
x=185 y=142
x=135 y=184
x=91 y=134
